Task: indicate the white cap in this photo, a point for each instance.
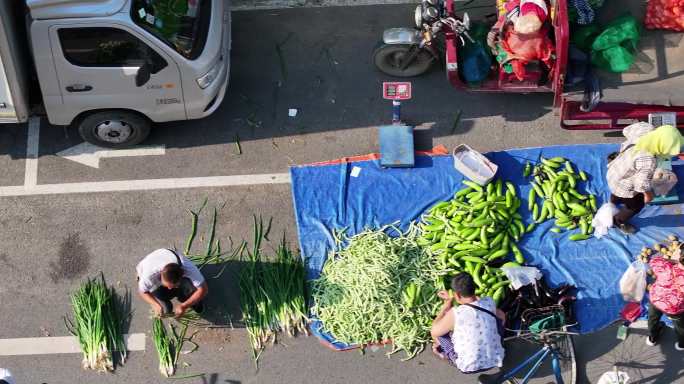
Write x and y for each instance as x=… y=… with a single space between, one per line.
x=6 y=375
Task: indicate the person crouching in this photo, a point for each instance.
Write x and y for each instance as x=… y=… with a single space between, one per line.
x=164 y=275
x=468 y=335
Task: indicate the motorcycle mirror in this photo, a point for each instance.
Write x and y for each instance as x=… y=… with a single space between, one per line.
x=466 y=20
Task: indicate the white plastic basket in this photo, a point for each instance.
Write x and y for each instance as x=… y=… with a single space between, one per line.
x=473 y=165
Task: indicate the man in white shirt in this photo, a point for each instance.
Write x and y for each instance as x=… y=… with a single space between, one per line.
x=164 y=275
x=6 y=376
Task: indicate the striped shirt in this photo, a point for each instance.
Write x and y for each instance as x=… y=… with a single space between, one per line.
x=631 y=173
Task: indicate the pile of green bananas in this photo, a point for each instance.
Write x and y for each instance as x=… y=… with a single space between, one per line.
x=555 y=183
x=479 y=227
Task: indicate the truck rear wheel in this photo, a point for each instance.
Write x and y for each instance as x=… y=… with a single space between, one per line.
x=114 y=129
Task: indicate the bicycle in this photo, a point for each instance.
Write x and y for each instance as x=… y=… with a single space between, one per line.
x=546 y=326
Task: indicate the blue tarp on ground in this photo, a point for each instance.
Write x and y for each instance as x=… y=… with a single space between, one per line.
x=327 y=197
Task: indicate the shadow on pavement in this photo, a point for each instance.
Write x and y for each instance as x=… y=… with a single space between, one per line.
x=644 y=364
x=223 y=301
x=214 y=377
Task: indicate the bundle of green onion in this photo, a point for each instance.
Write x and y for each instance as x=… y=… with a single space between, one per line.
x=164 y=346
x=213 y=254
x=377 y=288
x=98 y=324
x=169 y=344
x=272 y=293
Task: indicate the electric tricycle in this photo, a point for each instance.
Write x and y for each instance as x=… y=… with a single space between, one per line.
x=442 y=33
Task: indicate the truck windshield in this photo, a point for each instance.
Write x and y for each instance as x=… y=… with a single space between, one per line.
x=182 y=24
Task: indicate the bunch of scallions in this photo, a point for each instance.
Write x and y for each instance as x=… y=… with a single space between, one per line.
x=378 y=286
x=169 y=341
x=272 y=293
x=98 y=319
x=213 y=254
x=164 y=346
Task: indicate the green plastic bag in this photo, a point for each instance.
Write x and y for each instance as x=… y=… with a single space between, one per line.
x=613 y=50
x=623 y=30
x=615 y=59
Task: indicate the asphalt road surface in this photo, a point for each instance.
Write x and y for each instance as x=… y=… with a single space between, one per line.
x=318 y=62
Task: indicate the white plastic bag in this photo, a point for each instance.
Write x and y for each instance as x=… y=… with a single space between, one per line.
x=663 y=181
x=614 y=377
x=521 y=276
x=603 y=219
x=633 y=282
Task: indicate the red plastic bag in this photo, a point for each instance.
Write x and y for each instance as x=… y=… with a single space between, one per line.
x=631 y=311
x=522 y=49
x=665 y=14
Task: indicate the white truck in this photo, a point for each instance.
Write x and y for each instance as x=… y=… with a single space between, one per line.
x=113 y=67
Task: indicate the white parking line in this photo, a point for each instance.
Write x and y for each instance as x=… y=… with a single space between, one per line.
x=146 y=185
x=31 y=173
x=56 y=345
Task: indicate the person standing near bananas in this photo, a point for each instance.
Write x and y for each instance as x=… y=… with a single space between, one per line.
x=630 y=171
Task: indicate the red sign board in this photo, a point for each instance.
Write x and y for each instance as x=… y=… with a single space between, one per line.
x=396 y=90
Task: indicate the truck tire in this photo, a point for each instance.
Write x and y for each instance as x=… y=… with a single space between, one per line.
x=114 y=129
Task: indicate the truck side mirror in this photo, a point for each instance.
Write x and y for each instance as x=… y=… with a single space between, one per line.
x=143 y=75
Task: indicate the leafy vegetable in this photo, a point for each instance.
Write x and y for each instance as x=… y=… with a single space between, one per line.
x=271 y=293
x=98 y=319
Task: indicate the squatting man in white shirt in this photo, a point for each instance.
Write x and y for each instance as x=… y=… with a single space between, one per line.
x=164 y=275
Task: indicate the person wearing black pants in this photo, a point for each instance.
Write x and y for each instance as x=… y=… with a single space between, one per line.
x=655 y=327
x=666 y=296
x=164 y=275
x=632 y=206
x=629 y=176
x=183 y=292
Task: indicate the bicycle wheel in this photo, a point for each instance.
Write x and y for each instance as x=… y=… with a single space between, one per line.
x=566 y=356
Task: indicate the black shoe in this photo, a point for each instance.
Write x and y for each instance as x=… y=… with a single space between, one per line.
x=627 y=229
x=679 y=346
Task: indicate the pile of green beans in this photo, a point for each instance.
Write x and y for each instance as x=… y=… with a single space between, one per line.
x=555 y=182
x=378 y=286
x=477 y=228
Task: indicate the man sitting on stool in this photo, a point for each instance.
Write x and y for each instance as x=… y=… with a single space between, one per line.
x=164 y=275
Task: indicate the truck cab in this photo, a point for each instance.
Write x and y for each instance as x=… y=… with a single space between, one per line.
x=113 y=67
